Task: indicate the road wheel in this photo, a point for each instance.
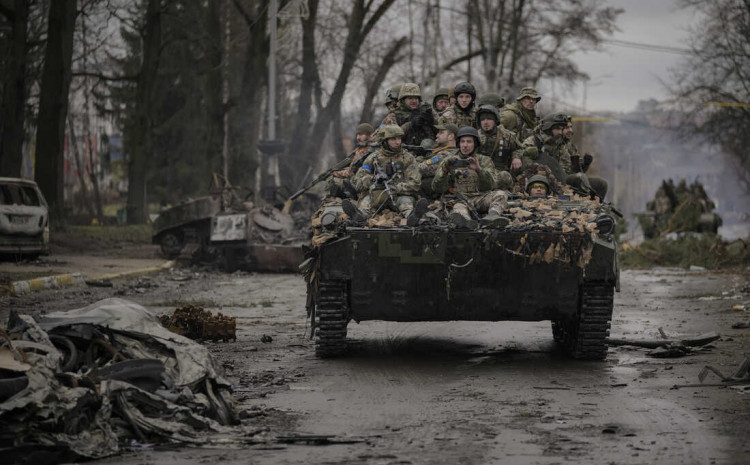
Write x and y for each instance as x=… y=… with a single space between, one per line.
x=171 y=244
x=585 y=335
x=331 y=319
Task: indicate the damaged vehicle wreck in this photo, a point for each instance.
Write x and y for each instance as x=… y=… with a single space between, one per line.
x=81 y=384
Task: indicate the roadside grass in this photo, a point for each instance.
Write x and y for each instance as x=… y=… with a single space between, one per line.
x=704 y=250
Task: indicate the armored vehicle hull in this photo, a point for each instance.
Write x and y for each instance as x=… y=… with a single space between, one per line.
x=404 y=274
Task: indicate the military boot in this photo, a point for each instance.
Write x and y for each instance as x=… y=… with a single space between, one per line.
x=419 y=209
x=461 y=222
x=495 y=220
x=355 y=214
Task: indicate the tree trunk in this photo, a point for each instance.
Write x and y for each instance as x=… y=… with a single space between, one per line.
x=308 y=83
x=53 y=103
x=143 y=140
x=14 y=95
x=73 y=147
x=389 y=60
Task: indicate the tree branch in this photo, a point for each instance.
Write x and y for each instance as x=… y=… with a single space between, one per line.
x=102 y=77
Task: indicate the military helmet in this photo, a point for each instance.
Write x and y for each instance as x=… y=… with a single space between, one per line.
x=389 y=131
x=528 y=92
x=488 y=108
x=391 y=95
x=365 y=128
x=537 y=178
x=465 y=88
x=491 y=99
x=442 y=92
x=553 y=120
x=468 y=131
x=409 y=89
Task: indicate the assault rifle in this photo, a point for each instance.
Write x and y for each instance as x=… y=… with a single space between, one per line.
x=417 y=150
x=327 y=174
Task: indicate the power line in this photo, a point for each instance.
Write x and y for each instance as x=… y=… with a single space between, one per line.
x=649 y=47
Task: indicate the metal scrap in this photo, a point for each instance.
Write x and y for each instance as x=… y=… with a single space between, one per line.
x=123 y=368
x=199 y=324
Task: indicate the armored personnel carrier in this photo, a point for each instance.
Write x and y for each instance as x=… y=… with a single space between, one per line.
x=556 y=260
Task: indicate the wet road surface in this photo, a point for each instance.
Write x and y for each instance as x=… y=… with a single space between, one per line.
x=474 y=393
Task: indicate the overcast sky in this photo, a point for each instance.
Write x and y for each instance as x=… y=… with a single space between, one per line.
x=621 y=76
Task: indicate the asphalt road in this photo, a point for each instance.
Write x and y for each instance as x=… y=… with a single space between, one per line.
x=470 y=393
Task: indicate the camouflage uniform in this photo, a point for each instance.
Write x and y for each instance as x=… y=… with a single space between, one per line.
x=500 y=144
x=458 y=116
x=404 y=185
x=518 y=119
x=428 y=167
x=454 y=114
x=477 y=186
x=553 y=146
x=402 y=113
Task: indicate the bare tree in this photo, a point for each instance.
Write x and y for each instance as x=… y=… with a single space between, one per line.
x=14 y=89
x=712 y=87
x=53 y=103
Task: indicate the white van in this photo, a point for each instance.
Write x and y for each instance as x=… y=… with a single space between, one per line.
x=24 y=218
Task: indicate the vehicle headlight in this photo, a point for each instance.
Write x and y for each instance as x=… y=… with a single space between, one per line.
x=605 y=224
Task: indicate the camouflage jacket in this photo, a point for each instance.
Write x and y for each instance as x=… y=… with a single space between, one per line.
x=517 y=119
x=428 y=165
x=500 y=145
x=406 y=181
x=359 y=152
x=455 y=115
x=465 y=180
x=552 y=146
x=399 y=116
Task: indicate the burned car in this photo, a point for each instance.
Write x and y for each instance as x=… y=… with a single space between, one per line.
x=24 y=218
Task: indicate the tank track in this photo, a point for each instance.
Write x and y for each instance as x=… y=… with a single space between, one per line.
x=331 y=319
x=585 y=337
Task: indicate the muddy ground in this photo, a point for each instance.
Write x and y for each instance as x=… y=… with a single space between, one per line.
x=469 y=393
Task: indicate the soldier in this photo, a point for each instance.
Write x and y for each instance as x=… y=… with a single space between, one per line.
x=391 y=97
x=389 y=177
x=496 y=142
x=467 y=182
x=462 y=113
x=520 y=116
x=441 y=101
x=409 y=98
x=550 y=140
x=576 y=178
x=537 y=186
x=452 y=96
x=338 y=184
x=446 y=145
x=491 y=99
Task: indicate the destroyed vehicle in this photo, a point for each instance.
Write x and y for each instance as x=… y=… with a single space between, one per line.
x=556 y=260
x=190 y=221
x=678 y=209
x=24 y=218
x=239 y=235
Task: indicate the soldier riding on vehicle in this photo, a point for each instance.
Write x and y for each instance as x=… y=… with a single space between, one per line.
x=467 y=182
x=520 y=116
x=389 y=178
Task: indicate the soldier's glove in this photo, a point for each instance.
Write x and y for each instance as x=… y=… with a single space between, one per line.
x=531 y=152
x=587 y=160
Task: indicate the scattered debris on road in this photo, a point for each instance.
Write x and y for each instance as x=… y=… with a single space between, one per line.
x=199 y=324
x=740 y=377
x=698 y=341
